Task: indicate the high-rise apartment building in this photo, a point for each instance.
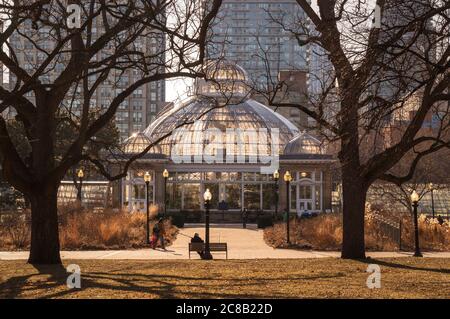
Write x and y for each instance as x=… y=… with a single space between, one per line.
x=133 y=115
x=257 y=35
x=247 y=33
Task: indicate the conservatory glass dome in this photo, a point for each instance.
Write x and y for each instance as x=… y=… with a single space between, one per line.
x=137 y=143
x=187 y=122
x=225 y=70
x=202 y=117
x=230 y=148
x=303 y=144
x=223 y=79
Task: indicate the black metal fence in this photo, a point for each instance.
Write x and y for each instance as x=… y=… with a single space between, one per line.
x=390 y=228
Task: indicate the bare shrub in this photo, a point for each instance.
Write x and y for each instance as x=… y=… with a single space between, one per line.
x=84 y=229
x=324 y=232
x=433 y=236
x=108 y=230
x=15 y=230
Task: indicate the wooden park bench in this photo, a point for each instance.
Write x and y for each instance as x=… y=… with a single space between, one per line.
x=213 y=247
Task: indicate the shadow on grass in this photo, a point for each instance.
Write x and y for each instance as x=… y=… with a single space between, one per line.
x=402 y=266
x=13 y=287
x=124 y=283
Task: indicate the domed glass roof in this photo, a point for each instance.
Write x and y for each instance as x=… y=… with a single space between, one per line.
x=137 y=143
x=201 y=114
x=303 y=144
x=222 y=69
x=223 y=78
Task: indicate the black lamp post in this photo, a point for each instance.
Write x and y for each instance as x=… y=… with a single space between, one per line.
x=166 y=176
x=415 y=202
x=80 y=179
x=207 y=197
x=431 y=188
x=276 y=177
x=287 y=179
x=147 y=178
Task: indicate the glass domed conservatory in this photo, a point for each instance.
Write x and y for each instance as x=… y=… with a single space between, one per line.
x=223 y=140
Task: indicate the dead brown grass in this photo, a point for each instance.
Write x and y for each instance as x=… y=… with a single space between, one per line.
x=293 y=278
x=15 y=231
x=108 y=230
x=82 y=229
x=324 y=232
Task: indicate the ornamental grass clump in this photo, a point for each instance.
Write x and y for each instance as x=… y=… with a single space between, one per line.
x=109 y=230
x=324 y=232
x=83 y=229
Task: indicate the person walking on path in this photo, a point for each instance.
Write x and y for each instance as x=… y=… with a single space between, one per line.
x=155 y=235
x=244 y=218
x=158 y=234
x=162 y=233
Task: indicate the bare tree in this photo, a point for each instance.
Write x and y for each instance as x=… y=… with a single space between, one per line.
x=396 y=67
x=72 y=63
x=433 y=169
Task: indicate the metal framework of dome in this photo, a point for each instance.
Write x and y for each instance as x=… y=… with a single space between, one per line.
x=137 y=143
x=223 y=78
x=303 y=143
x=201 y=116
x=198 y=153
x=222 y=69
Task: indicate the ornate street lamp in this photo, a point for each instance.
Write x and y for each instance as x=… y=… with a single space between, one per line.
x=276 y=177
x=80 y=179
x=166 y=176
x=415 y=202
x=287 y=179
x=431 y=188
x=207 y=196
x=147 y=179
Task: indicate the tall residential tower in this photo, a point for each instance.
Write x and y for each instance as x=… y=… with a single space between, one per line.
x=133 y=115
x=254 y=34
x=250 y=34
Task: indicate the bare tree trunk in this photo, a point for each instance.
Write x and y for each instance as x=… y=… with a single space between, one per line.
x=354 y=189
x=354 y=197
x=44 y=227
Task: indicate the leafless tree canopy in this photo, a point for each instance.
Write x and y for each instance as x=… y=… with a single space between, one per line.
x=72 y=63
x=383 y=73
x=125 y=44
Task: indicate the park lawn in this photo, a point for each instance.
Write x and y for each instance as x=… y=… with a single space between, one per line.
x=281 y=278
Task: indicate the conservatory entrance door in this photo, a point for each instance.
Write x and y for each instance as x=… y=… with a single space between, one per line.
x=305 y=200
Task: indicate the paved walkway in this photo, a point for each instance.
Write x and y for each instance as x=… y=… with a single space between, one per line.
x=242 y=244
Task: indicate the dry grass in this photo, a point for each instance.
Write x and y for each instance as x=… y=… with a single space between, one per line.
x=82 y=229
x=432 y=235
x=296 y=278
x=324 y=232
x=15 y=232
